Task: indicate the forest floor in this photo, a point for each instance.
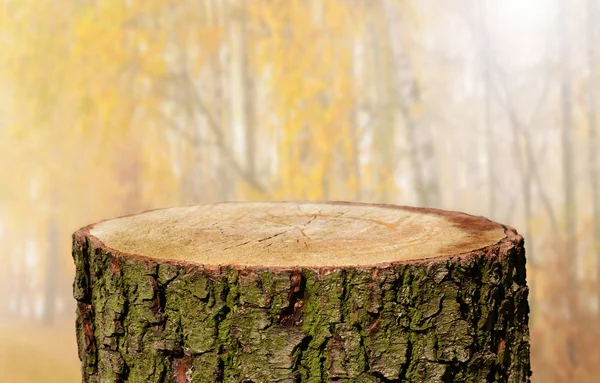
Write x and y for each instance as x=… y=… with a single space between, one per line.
x=33 y=353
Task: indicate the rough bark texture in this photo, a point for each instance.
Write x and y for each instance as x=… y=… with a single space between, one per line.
x=460 y=318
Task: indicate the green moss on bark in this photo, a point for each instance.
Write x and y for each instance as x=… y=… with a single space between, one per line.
x=462 y=319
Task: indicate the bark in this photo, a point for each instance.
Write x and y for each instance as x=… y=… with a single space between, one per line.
x=461 y=318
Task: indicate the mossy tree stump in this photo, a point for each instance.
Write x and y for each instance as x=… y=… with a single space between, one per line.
x=301 y=292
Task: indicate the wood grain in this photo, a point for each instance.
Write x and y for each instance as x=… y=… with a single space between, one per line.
x=291 y=234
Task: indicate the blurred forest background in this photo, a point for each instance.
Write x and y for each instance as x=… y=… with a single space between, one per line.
x=118 y=106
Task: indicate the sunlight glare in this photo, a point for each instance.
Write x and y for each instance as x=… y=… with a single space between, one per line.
x=522 y=28
x=524 y=14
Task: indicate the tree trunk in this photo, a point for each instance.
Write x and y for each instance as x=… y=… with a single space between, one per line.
x=567 y=141
x=248 y=88
x=51 y=271
x=594 y=168
x=309 y=292
x=485 y=51
x=384 y=129
x=418 y=133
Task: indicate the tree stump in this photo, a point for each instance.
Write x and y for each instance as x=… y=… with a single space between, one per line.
x=301 y=292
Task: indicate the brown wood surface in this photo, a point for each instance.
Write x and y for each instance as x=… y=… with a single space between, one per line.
x=289 y=234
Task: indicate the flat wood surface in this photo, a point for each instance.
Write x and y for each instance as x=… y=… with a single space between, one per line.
x=290 y=234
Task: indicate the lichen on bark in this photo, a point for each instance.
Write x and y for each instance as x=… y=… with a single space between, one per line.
x=452 y=319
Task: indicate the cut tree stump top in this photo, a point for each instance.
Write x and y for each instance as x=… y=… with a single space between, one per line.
x=288 y=234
